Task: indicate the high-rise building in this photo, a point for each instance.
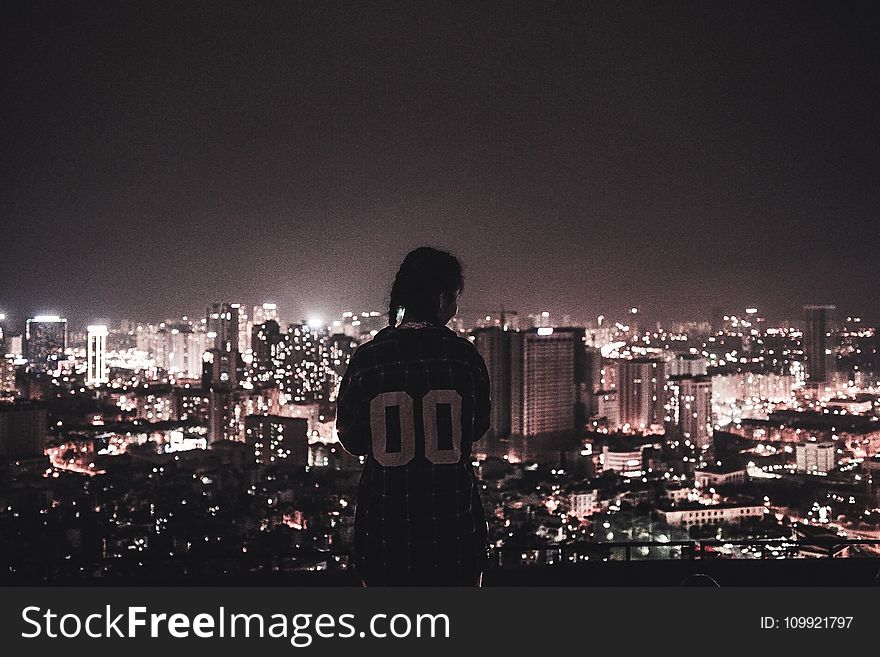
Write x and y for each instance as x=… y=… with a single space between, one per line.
x=265 y=313
x=337 y=354
x=15 y=346
x=97 y=372
x=539 y=381
x=222 y=326
x=818 y=353
x=688 y=365
x=640 y=393
x=543 y=395
x=493 y=343
x=179 y=350
x=2 y=334
x=305 y=373
x=219 y=370
x=45 y=341
x=245 y=327
x=8 y=370
x=267 y=350
x=695 y=410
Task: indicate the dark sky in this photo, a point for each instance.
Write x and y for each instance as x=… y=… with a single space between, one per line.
x=579 y=157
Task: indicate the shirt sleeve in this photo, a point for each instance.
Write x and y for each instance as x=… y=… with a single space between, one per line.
x=352 y=425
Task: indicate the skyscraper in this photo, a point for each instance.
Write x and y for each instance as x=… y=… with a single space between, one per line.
x=305 y=363
x=493 y=343
x=45 y=341
x=538 y=379
x=818 y=354
x=97 y=371
x=267 y=350
x=640 y=393
x=543 y=389
x=222 y=327
x=695 y=409
x=266 y=312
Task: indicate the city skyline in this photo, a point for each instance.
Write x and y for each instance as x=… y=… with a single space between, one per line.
x=599 y=156
x=77 y=322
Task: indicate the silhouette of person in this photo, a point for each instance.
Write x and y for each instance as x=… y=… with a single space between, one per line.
x=412 y=401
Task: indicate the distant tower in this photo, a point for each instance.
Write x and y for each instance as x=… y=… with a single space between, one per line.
x=818 y=354
x=493 y=343
x=543 y=381
x=267 y=349
x=96 y=355
x=265 y=313
x=223 y=327
x=45 y=341
x=640 y=392
x=695 y=410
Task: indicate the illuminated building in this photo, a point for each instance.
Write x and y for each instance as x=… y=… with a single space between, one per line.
x=45 y=341
x=543 y=395
x=688 y=365
x=273 y=438
x=22 y=430
x=97 y=371
x=154 y=403
x=2 y=334
x=816 y=458
x=176 y=349
x=583 y=502
x=538 y=379
x=7 y=375
x=361 y=326
x=338 y=352
x=689 y=515
x=219 y=369
x=818 y=354
x=15 y=346
x=192 y=404
x=695 y=410
x=304 y=378
x=626 y=462
x=640 y=393
x=245 y=326
x=222 y=327
x=265 y=313
x=267 y=350
x=749 y=395
x=493 y=344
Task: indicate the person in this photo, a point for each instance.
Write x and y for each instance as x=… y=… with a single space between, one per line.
x=412 y=401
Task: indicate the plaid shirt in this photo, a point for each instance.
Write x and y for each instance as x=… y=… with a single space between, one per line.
x=412 y=401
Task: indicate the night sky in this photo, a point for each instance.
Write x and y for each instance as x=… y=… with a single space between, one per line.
x=578 y=157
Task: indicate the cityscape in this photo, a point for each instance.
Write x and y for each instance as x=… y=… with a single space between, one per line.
x=666 y=216
x=206 y=445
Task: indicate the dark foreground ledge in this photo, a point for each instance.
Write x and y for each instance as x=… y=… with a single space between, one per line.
x=732 y=572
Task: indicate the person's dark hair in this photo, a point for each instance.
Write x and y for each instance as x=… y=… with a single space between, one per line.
x=423 y=277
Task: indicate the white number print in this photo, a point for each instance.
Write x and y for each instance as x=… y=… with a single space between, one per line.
x=379 y=428
x=432 y=438
x=404 y=403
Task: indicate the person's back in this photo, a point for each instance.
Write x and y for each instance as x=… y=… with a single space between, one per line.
x=413 y=400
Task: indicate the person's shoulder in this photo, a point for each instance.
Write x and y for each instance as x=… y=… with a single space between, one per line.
x=369 y=352
x=464 y=344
